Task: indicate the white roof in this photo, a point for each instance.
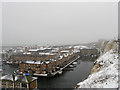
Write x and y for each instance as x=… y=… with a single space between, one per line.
x=47 y=48
x=76 y=50
x=41 y=48
x=65 y=55
x=80 y=47
x=8 y=77
x=64 y=51
x=60 y=57
x=36 y=62
x=54 y=50
x=27 y=53
x=17 y=78
x=33 y=62
x=47 y=62
x=70 y=46
x=46 y=53
x=33 y=50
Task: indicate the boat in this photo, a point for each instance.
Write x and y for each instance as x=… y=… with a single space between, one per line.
x=71 y=66
x=60 y=72
x=74 y=63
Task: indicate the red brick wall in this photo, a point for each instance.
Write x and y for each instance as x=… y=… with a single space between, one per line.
x=33 y=84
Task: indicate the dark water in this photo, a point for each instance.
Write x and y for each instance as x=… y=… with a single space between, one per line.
x=68 y=79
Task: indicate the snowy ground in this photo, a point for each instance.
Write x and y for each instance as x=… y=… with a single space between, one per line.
x=107 y=76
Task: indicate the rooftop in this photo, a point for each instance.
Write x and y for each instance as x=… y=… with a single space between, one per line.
x=18 y=78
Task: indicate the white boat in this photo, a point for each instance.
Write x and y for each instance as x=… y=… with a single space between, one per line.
x=74 y=63
x=71 y=66
x=60 y=72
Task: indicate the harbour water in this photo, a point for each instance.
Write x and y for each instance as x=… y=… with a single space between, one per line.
x=69 y=78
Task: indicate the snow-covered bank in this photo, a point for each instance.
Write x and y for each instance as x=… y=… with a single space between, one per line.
x=104 y=73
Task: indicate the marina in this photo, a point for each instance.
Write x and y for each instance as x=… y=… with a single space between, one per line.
x=68 y=79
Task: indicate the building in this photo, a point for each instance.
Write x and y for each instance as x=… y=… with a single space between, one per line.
x=19 y=81
x=31 y=56
x=43 y=61
x=37 y=67
x=91 y=52
x=48 y=66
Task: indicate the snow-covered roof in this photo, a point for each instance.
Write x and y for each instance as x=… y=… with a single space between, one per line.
x=76 y=50
x=7 y=77
x=37 y=62
x=60 y=57
x=27 y=53
x=46 y=53
x=47 y=48
x=33 y=62
x=41 y=48
x=19 y=78
x=47 y=62
x=19 y=50
x=54 y=50
x=33 y=50
x=65 y=51
x=81 y=47
x=65 y=55
x=70 y=46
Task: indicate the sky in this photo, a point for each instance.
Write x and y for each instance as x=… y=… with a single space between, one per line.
x=58 y=23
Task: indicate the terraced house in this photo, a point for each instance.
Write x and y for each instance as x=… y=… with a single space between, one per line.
x=32 y=54
x=46 y=66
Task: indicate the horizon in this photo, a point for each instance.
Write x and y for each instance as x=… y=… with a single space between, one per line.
x=57 y=44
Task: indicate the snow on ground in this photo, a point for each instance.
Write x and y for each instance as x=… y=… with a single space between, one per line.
x=107 y=76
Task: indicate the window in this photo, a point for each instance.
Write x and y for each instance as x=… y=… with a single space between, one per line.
x=43 y=69
x=49 y=68
x=24 y=85
x=37 y=66
x=29 y=67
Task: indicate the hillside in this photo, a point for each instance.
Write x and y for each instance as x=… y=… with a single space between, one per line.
x=105 y=71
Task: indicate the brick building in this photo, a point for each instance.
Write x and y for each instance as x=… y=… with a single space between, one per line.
x=89 y=52
x=47 y=66
x=31 y=56
x=19 y=81
x=38 y=67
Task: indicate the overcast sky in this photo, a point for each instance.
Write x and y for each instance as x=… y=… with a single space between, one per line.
x=55 y=23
